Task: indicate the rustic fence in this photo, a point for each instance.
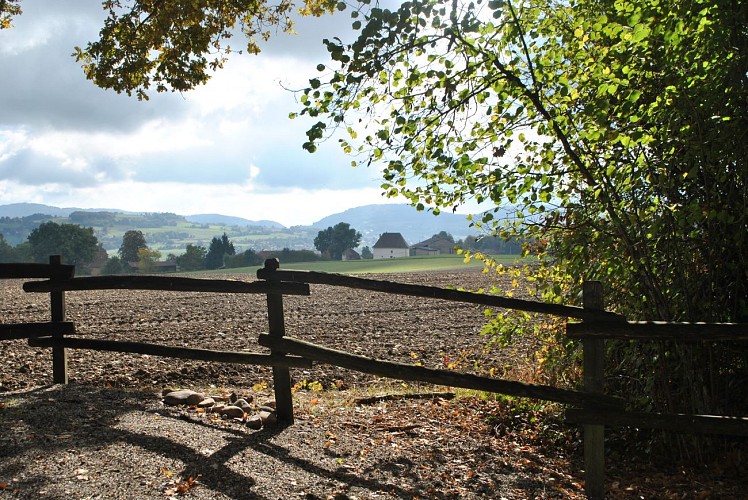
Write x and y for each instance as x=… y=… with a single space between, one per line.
x=589 y=407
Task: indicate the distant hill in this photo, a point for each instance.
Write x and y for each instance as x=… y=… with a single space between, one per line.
x=415 y=226
x=171 y=232
x=26 y=209
x=230 y=220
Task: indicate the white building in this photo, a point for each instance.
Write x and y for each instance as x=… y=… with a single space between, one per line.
x=390 y=246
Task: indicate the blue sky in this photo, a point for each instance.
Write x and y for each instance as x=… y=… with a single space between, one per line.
x=227 y=147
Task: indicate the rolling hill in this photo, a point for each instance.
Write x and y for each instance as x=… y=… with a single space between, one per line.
x=171 y=232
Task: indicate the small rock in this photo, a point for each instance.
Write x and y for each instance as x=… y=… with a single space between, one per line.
x=183 y=397
x=243 y=404
x=268 y=417
x=206 y=403
x=166 y=390
x=233 y=397
x=254 y=422
x=270 y=403
x=269 y=409
x=233 y=412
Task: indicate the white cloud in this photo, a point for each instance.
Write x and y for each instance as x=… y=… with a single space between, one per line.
x=227 y=147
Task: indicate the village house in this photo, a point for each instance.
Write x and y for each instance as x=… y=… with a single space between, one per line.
x=390 y=246
x=436 y=245
x=351 y=254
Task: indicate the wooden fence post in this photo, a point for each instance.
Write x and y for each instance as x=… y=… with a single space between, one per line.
x=281 y=375
x=594 y=382
x=57 y=309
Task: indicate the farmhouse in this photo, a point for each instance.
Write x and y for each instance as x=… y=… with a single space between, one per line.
x=351 y=254
x=436 y=245
x=390 y=246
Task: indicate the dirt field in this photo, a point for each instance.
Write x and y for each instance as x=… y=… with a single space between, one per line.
x=378 y=325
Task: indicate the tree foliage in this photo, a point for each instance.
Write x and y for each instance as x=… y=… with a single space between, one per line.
x=617 y=128
x=77 y=245
x=113 y=265
x=147 y=259
x=219 y=249
x=176 y=45
x=193 y=258
x=616 y=124
x=8 y=9
x=132 y=242
x=6 y=251
x=335 y=240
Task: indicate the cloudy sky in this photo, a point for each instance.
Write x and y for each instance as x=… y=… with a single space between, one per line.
x=227 y=147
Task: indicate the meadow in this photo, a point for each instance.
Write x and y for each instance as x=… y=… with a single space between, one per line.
x=434 y=263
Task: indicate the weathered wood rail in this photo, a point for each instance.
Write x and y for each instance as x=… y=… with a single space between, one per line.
x=590 y=407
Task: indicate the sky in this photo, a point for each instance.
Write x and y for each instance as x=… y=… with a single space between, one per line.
x=227 y=147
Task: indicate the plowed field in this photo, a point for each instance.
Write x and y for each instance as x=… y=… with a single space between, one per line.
x=431 y=332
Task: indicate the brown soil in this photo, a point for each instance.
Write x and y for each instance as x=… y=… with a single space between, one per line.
x=107 y=434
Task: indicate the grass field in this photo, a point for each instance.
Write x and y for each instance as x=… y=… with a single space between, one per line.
x=401 y=265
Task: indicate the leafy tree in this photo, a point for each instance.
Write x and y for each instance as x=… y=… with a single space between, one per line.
x=113 y=265
x=147 y=259
x=245 y=259
x=76 y=245
x=8 y=9
x=193 y=259
x=491 y=245
x=335 y=240
x=617 y=129
x=366 y=253
x=217 y=251
x=22 y=252
x=174 y=45
x=287 y=256
x=6 y=251
x=445 y=235
x=132 y=242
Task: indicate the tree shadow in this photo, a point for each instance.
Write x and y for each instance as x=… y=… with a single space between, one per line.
x=49 y=421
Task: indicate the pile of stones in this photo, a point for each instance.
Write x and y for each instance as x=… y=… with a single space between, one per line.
x=234 y=407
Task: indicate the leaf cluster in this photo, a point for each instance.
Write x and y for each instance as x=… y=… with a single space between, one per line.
x=8 y=9
x=177 y=45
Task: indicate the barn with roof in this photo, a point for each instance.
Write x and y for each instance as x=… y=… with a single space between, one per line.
x=436 y=245
x=390 y=246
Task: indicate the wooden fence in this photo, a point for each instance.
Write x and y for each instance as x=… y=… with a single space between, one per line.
x=589 y=407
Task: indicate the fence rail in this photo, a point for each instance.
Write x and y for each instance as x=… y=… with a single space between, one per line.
x=433 y=292
x=658 y=331
x=10 y=331
x=590 y=407
x=32 y=270
x=165 y=284
x=173 y=351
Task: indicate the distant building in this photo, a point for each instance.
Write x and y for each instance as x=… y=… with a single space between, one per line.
x=436 y=245
x=390 y=246
x=351 y=254
x=94 y=268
